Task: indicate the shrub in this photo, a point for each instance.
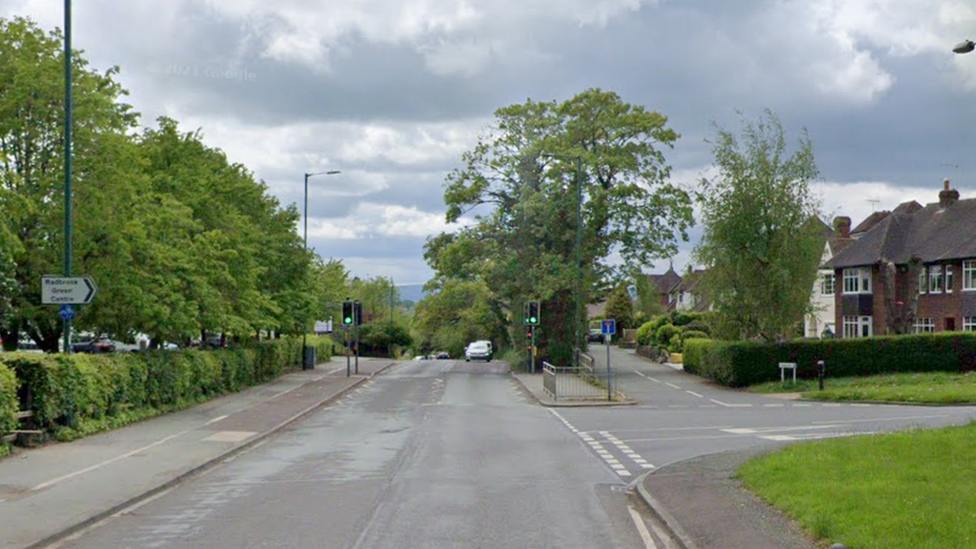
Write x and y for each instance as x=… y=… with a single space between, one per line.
x=8 y=400
x=664 y=334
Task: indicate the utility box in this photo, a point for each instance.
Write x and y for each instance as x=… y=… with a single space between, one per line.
x=308 y=358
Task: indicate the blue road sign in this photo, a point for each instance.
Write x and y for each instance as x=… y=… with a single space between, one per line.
x=609 y=326
x=67 y=312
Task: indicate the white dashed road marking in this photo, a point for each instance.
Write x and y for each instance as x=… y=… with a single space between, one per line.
x=695 y=394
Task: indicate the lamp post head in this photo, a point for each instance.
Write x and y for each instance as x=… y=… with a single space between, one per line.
x=965 y=46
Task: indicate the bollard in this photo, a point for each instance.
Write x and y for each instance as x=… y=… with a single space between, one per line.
x=820 y=373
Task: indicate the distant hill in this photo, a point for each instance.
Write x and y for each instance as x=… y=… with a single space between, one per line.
x=411 y=292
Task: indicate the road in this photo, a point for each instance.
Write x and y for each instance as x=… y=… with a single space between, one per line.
x=431 y=454
x=680 y=416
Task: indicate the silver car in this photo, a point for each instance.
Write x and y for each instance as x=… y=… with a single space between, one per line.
x=478 y=350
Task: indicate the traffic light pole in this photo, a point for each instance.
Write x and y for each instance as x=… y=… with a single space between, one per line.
x=356 y=349
x=346 y=340
x=532 y=351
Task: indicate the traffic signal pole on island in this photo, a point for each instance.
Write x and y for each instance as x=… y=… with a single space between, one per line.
x=533 y=316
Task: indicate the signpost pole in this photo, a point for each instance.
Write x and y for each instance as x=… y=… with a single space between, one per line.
x=532 y=350
x=67 y=161
x=609 y=382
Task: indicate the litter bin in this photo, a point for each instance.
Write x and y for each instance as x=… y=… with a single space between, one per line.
x=308 y=358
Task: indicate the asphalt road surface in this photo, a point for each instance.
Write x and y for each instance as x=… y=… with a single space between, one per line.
x=680 y=416
x=430 y=455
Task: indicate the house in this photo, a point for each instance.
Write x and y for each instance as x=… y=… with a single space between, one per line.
x=688 y=294
x=820 y=321
x=664 y=283
x=913 y=271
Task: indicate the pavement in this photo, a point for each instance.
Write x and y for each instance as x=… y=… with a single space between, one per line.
x=699 y=502
x=49 y=492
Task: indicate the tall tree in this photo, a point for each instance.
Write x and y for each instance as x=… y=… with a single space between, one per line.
x=31 y=162
x=520 y=184
x=620 y=308
x=762 y=235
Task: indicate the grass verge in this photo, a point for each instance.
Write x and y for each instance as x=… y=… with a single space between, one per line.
x=921 y=388
x=909 y=489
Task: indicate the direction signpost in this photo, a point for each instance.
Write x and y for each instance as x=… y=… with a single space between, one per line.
x=67 y=290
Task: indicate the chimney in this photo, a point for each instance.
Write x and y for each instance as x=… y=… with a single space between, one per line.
x=947 y=197
x=842 y=225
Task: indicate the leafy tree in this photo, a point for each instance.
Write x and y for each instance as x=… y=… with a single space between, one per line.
x=648 y=297
x=31 y=163
x=620 y=308
x=383 y=337
x=524 y=204
x=455 y=313
x=762 y=235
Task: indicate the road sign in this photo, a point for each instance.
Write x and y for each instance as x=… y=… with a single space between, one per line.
x=609 y=326
x=62 y=290
x=67 y=312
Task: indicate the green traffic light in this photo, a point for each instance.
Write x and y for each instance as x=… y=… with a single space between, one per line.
x=533 y=320
x=347 y=320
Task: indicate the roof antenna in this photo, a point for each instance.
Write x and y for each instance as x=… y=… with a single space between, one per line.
x=874 y=202
x=671 y=264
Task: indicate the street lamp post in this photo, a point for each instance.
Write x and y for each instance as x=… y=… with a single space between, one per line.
x=305 y=236
x=579 y=245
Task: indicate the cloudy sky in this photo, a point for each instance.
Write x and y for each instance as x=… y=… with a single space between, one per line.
x=392 y=92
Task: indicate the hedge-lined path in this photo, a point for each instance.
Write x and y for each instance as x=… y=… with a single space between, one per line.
x=48 y=492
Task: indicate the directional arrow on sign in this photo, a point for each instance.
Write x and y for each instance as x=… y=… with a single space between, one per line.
x=64 y=290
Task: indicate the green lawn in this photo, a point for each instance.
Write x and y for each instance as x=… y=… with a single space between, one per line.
x=907 y=490
x=928 y=388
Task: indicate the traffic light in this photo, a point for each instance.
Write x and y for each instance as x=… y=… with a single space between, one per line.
x=358 y=312
x=532 y=310
x=528 y=337
x=347 y=313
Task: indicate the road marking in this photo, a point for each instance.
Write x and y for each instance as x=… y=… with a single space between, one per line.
x=641 y=528
x=640 y=374
x=627 y=450
x=773 y=405
x=672 y=385
x=597 y=447
x=727 y=405
x=901 y=418
x=748 y=431
x=655 y=380
x=695 y=394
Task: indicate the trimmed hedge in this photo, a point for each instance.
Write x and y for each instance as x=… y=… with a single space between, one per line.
x=8 y=400
x=81 y=393
x=738 y=364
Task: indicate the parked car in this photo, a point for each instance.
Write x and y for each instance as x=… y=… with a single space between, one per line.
x=93 y=346
x=595 y=335
x=443 y=355
x=478 y=350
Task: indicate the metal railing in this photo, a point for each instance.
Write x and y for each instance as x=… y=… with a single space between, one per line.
x=571 y=383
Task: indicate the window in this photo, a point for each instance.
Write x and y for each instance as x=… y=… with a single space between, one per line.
x=969 y=275
x=857 y=281
x=949 y=281
x=923 y=281
x=936 y=281
x=969 y=323
x=857 y=326
x=924 y=325
x=827 y=284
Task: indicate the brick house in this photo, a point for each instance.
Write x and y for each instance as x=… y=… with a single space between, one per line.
x=664 y=283
x=912 y=271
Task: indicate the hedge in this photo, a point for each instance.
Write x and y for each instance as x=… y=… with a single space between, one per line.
x=8 y=399
x=738 y=364
x=82 y=393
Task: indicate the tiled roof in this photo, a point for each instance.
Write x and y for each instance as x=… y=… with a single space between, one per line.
x=932 y=233
x=665 y=282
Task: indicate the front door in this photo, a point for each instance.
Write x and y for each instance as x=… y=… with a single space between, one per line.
x=950 y=325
